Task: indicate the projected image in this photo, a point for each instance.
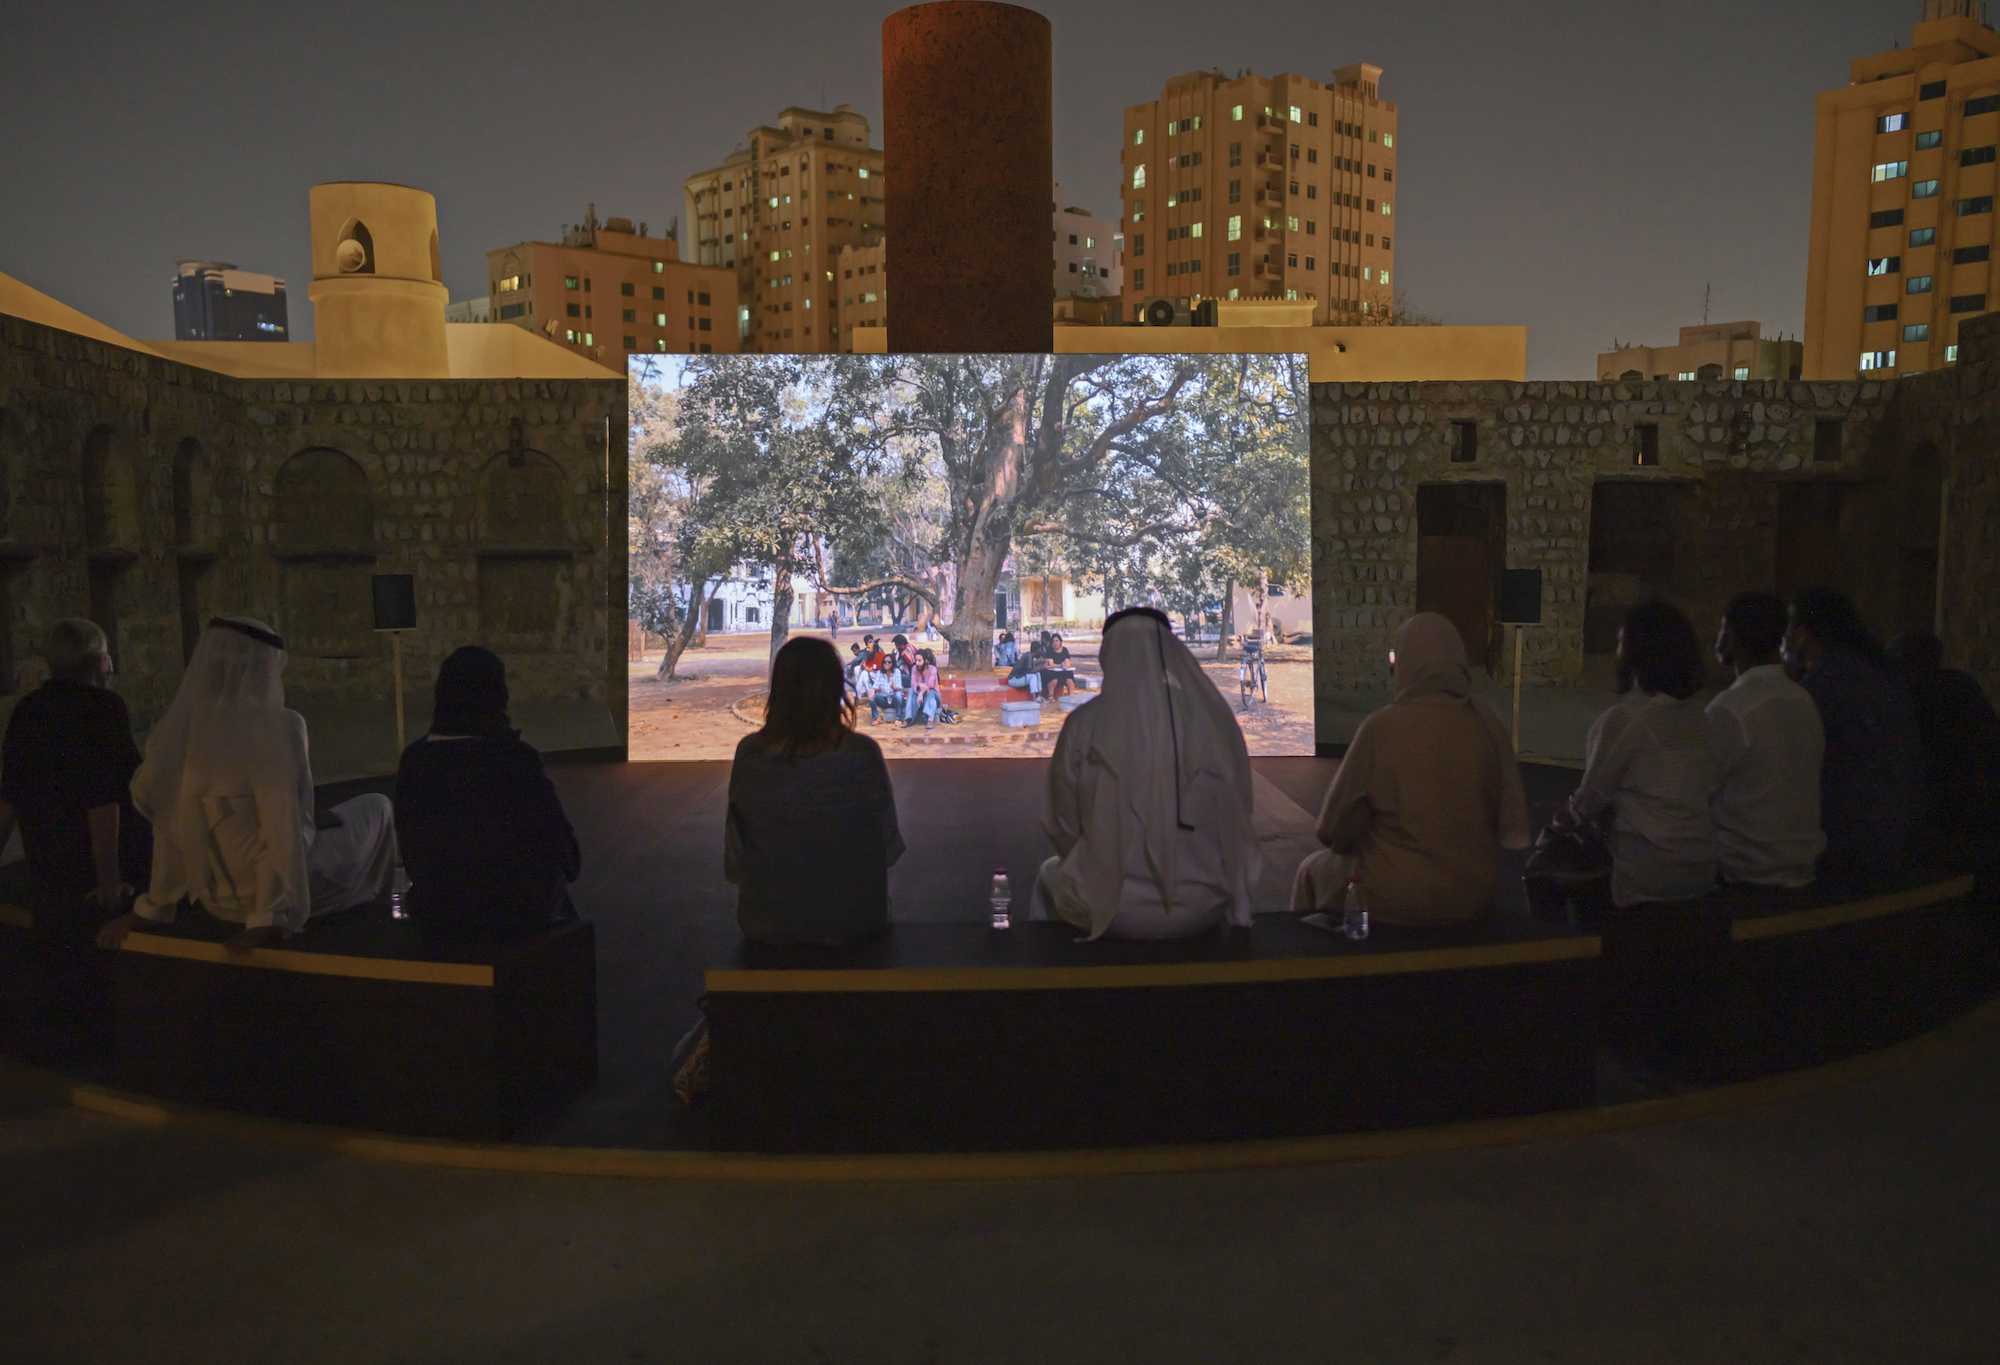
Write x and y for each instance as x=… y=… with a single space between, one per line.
x=986 y=512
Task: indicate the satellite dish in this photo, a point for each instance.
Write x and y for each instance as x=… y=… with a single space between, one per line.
x=1160 y=313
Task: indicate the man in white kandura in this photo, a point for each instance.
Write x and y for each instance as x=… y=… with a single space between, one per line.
x=1150 y=797
x=228 y=786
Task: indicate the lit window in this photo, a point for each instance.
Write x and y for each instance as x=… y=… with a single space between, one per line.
x=1951 y=355
x=1919 y=284
x=1139 y=176
x=1385 y=277
x=1089 y=242
x=1742 y=371
x=659 y=267
x=1926 y=141
x=1385 y=208
x=1885 y=265
x=569 y=281
x=569 y=336
x=774 y=255
x=1924 y=189
x=1195 y=230
x=1685 y=374
x=1878 y=360
x=1236 y=113
x=1917 y=331
x=659 y=319
x=1388 y=139
x=511 y=284
x=1890 y=123
x=1292 y=224
x=660 y=344
x=1890 y=170
x=1235 y=227
x=1138 y=210
x=1296 y=115
x=1922 y=236
x=1138 y=136
x=864 y=172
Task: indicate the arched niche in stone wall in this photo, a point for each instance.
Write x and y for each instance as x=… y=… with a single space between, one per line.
x=110 y=528
x=526 y=590
x=1917 y=539
x=325 y=542
x=194 y=554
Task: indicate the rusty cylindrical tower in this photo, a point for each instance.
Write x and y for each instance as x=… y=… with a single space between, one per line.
x=967 y=142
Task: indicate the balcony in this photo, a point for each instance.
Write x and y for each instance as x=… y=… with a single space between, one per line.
x=1268 y=270
x=1269 y=161
x=1273 y=235
x=1270 y=123
x=1269 y=198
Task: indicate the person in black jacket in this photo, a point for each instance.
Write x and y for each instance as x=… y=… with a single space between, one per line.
x=485 y=842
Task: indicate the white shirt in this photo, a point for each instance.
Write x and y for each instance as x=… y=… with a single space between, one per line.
x=1648 y=760
x=1768 y=743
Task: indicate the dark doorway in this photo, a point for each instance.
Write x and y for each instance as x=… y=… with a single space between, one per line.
x=1809 y=517
x=1917 y=569
x=1631 y=554
x=1000 y=607
x=715 y=613
x=1461 y=549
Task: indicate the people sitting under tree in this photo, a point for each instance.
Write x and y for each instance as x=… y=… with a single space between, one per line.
x=874 y=689
x=1058 y=677
x=1648 y=770
x=66 y=770
x=924 y=698
x=1870 y=789
x=228 y=786
x=1765 y=733
x=1005 y=652
x=1428 y=794
x=488 y=849
x=1149 y=797
x=811 y=830
x=1959 y=734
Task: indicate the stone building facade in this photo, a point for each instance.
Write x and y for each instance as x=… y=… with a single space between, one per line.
x=1618 y=492
x=150 y=495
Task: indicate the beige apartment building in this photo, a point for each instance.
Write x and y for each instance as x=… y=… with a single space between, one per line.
x=861 y=297
x=1902 y=238
x=1088 y=251
x=778 y=212
x=1262 y=187
x=1718 y=350
x=608 y=290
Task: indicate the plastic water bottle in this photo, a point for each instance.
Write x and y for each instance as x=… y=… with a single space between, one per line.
x=1002 y=901
x=1354 y=915
x=399 y=888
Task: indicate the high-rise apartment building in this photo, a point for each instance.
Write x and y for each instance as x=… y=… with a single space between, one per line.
x=1253 y=187
x=777 y=213
x=607 y=289
x=1903 y=238
x=1087 y=251
x=214 y=301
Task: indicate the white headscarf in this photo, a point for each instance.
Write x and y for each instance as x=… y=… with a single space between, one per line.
x=227 y=734
x=1158 y=726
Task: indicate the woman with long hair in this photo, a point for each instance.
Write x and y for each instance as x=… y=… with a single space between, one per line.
x=924 y=698
x=811 y=831
x=489 y=851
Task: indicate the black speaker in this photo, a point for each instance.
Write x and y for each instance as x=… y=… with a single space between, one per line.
x=395 y=601
x=1520 y=597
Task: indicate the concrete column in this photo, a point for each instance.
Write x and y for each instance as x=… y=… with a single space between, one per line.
x=967 y=142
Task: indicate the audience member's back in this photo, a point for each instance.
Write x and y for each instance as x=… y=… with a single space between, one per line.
x=1870 y=790
x=68 y=751
x=811 y=830
x=1959 y=734
x=1765 y=732
x=484 y=839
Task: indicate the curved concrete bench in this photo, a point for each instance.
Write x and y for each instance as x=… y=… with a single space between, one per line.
x=957 y=1037
x=359 y=1021
x=1740 y=989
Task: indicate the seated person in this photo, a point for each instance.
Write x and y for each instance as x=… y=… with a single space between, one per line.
x=1869 y=787
x=811 y=830
x=487 y=847
x=923 y=698
x=1427 y=796
x=1149 y=803
x=1958 y=732
x=228 y=787
x=65 y=777
x=1765 y=733
x=1027 y=671
x=873 y=689
x=1004 y=650
x=1648 y=771
x=1057 y=675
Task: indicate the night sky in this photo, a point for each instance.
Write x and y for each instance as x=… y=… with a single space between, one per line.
x=1584 y=169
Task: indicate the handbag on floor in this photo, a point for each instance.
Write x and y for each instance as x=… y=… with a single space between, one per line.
x=1569 y=856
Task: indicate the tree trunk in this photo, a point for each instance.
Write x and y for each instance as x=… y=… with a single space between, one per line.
x=781 y=609
x=677 y=643
x=1228 y=621
x=1262 y=595
x=970 y=633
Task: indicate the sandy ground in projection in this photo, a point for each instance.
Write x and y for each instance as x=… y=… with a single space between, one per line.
x=717 y=701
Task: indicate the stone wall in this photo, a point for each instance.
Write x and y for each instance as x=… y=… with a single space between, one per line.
x=1757 y=493
x=153 y=495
